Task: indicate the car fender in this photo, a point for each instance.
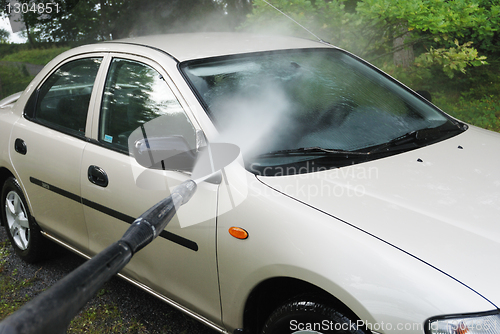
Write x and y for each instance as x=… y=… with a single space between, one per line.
x=287 y=238
x=9 y=115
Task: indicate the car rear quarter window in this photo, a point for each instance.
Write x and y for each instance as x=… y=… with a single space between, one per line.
x=62 y=102
x=135 y=94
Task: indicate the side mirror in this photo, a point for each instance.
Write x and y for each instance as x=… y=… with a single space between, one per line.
x=166 y=153
x=153 y=150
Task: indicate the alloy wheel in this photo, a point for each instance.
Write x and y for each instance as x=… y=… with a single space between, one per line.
x=17 y=220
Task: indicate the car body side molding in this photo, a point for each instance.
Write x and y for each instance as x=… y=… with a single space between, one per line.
x=113 y=213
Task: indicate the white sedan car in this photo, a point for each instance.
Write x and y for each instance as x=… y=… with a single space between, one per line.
x=356 y=206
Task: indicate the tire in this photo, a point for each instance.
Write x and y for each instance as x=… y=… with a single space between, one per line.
x=306 y=316
x=24 y=234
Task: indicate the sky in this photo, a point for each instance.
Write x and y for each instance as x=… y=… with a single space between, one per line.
x=14 y=38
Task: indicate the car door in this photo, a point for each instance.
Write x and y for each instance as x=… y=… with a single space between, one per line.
x=48 y=144
x=181 y=263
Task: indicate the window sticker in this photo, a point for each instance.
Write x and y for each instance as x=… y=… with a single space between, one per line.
x=108 y=138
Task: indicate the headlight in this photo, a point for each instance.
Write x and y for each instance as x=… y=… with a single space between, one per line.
x=487 y=323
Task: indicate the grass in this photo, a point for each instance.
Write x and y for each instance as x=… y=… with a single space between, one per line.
x=11 y=288
x=99 y=318
x=484 y=112
x=13 y=79
x=104 y=318
x=473 y=97
x=35 y=56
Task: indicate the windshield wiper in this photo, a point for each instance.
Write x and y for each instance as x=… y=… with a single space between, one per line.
x=416 y=137
x=311 y=151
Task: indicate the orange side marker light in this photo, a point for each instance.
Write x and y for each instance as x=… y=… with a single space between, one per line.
x=238 y=232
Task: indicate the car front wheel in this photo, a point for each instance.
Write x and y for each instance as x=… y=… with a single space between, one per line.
x=303 y=316
x=21 y=228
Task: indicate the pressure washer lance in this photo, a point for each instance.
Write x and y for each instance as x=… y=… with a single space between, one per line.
x=52 y=311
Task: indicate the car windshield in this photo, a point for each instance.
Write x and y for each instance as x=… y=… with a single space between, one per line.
x=324 y=105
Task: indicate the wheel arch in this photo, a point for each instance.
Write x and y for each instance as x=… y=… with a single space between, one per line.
x=4 y=175
x=273 y=292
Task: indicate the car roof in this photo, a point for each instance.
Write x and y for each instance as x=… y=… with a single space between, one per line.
x=204 y=45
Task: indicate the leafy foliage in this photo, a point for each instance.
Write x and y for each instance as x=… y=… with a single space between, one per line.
x=451 y=38
x=452 y=59
x=97 y=20
x=4 y=35
x=369 y=27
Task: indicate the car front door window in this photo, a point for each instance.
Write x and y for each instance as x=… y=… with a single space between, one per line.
x=135 y=94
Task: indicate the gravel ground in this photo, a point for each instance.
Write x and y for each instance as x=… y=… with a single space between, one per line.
x=132 y=303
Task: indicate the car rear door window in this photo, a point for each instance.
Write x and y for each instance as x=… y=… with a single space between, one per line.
x=62 y=102
x=135 y=94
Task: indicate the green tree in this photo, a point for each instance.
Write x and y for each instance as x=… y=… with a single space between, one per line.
x=4 y=36
x=96 y=20
x=378 y=28
x=441 y=22
x=42 y=16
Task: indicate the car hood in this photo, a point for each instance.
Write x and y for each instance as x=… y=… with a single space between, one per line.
x=439 y=203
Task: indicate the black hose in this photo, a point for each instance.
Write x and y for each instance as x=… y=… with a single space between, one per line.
x=51 y=312
x=150 y=224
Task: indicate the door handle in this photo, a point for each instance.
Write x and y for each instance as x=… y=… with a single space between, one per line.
x=20 y=146
x=97 y=176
